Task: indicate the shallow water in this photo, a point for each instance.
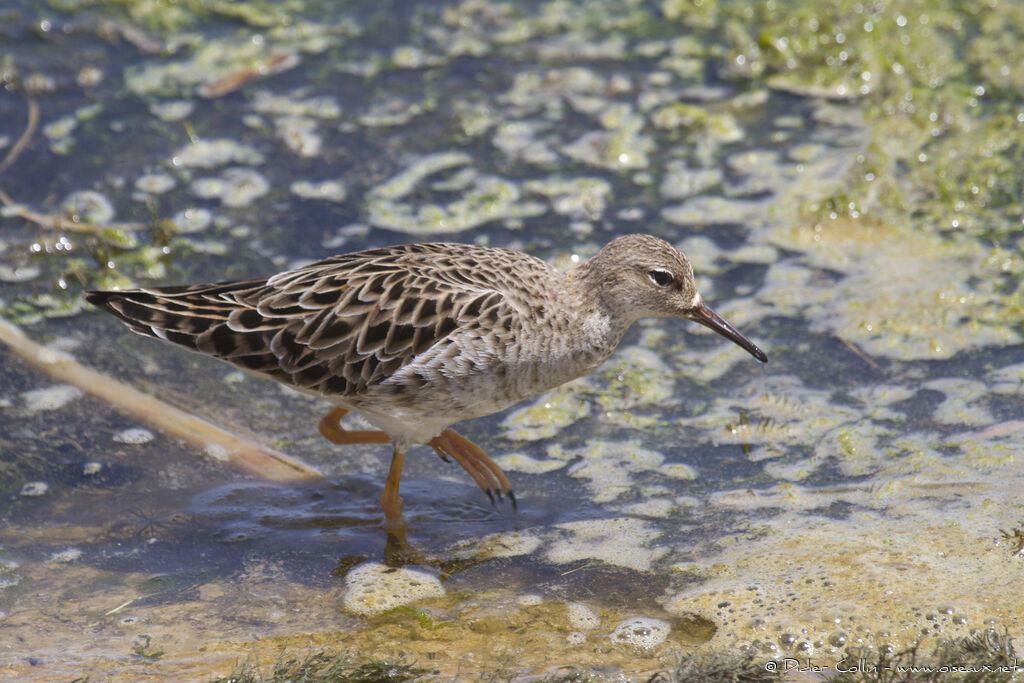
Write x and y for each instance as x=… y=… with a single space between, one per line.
x=844 y=202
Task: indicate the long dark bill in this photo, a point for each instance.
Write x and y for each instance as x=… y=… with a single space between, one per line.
x=711 y=320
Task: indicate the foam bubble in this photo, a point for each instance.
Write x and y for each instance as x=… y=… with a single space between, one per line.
x=374 y=588
x=35 y=488
x=51 y=398
x=134 y=436
x=581 y=617
x=641 y=633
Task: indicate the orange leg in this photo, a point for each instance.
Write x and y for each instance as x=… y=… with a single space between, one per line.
x=390 y=500
x=487 y=475
x=331 y=430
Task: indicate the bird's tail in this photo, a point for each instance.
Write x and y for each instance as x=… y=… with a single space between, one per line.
x=179 y=315
x=217 y=320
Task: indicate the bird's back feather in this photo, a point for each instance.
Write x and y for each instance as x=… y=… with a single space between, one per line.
x=336 y=326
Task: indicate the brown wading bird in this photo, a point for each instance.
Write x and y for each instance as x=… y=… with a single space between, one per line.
x=419 y=336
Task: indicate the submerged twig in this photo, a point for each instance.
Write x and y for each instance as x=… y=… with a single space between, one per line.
x=120 y=607
x=54 y=222
x=111 y=30
x=275 y=64
x=26 y=135
x=57 y=222
x=860 y=354
x=222 y=445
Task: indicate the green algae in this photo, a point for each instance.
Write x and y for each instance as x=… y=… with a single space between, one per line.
x=328 y=667
x=546 y=415
x=780 y=43
x=886 y=304
x=489 y=199
x=939 y=99
x=580 y=196
x=622 y=147
x=481 y=199
x=402 y=184
x=234 y=187
x=328 y=190
x=210 y=153
x=610 y=468
x=170 y=18
x=96 y=256
x=634 y=377
x=944 y=149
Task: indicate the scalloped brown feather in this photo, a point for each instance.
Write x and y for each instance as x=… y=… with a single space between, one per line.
x=339 y=325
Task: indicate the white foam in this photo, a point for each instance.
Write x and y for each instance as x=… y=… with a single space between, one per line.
x=374 y=588
x=641 y=633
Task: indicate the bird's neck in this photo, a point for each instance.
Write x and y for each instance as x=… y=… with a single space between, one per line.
x=600 y=317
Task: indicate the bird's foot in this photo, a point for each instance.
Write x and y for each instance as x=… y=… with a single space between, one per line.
x=485 y=472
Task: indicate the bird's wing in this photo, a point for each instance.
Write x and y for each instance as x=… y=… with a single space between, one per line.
x=336 y=326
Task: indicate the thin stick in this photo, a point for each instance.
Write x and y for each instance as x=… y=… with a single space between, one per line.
x=55 y=222
x=119 y=607
x=26 y=135
x=860 y=354
x=232 y=82
x=215 y=442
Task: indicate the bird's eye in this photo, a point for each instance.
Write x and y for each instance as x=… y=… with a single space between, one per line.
x=660 y=277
